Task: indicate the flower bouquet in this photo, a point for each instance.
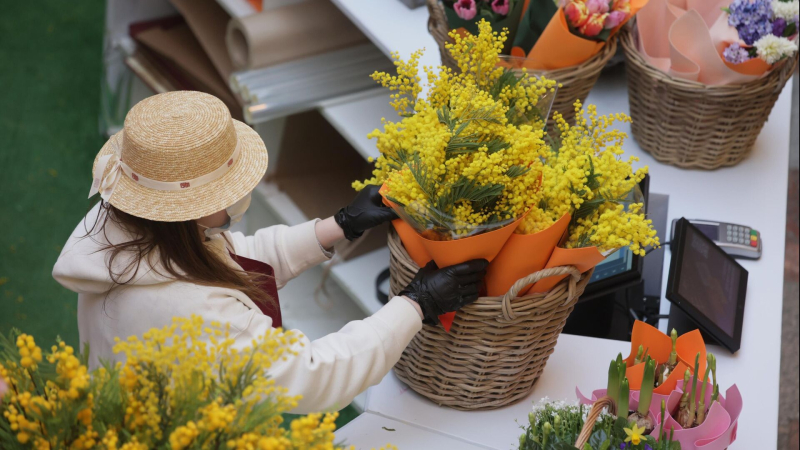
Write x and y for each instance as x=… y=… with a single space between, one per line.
x=569 y=43
x=181 y=387
x=501 y=14
x=469 y=173
x=692 y=409
x=715 y=68
x=470 y=176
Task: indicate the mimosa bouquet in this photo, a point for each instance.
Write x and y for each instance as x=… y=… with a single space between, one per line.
x=182 y=387
x=468 y=166
x=668 y=386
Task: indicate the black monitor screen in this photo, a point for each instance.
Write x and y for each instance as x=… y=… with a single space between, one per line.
x=707 y=284
x=709 y=280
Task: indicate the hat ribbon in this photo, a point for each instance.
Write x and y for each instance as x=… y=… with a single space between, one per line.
x=105 y=185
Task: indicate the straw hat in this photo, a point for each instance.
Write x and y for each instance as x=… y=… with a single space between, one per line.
x=180 y=156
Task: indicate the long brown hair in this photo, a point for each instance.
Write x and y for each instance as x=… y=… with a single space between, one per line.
x=179 y=248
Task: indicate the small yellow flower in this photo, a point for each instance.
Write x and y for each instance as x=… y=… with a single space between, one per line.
x=635 y=434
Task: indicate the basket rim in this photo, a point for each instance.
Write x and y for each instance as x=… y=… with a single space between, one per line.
x=635 y=57
x=505 y=304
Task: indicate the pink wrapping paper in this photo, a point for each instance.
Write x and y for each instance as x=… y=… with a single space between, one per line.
x=717 y=432
x=686 y=38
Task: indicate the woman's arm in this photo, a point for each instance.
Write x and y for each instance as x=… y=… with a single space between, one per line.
x=328 y=233
x=329 y=372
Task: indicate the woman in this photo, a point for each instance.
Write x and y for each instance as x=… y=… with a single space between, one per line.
x=157 y=247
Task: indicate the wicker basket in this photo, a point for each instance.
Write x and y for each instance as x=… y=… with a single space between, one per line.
x=693 y=125
x=497 y=346
x=576 y=81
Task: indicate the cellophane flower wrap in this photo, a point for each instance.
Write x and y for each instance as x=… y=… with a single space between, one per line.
x=184 y=386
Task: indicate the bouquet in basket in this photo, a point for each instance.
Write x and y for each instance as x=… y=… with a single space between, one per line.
x=718 y=42
x=469 y=172
x=668 y=386
x=501 y=14
x=559 y=34
x=182 y=387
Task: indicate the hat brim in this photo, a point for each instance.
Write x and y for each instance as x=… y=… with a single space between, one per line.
x=195 y=202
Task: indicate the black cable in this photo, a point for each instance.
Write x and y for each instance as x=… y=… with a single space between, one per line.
x=656 y=248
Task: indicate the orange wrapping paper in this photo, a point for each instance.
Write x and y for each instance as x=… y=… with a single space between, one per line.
x=582 y=258
x=558 y=47
x=658 y=345
x=522 y=255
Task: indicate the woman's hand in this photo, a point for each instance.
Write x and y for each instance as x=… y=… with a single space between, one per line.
x=364 y=212
x=439 y=291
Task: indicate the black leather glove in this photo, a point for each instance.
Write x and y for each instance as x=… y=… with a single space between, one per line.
x=364 y=212
x=439 y=291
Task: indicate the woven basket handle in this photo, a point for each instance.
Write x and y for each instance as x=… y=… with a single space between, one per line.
x=435 y=14
x=594 y=413
x=572 y=271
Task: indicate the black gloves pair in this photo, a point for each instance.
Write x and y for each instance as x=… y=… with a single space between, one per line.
x=437 y=291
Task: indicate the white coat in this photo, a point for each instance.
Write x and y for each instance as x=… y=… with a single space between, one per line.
x=328 y=372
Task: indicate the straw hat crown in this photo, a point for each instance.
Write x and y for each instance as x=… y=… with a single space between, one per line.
x=180 y=156
x=178 y=136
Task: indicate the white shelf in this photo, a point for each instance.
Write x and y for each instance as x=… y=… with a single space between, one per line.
x=355 y=277
x=358 y=115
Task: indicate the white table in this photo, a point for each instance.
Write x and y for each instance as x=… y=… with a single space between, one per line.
x=752 y=193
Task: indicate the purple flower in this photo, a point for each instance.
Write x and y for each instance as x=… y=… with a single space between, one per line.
x=500 y=7
x=778 y=27
x=735 y=54
x=466 y=9
x=751 y=19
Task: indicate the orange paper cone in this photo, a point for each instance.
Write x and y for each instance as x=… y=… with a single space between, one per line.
x=557 y=47
x=582 y=258
x=658 y=346
x=483 y=246
x=523 y=255
x=412 y=242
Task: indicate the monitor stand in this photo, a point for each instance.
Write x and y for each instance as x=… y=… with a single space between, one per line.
x=682 y=323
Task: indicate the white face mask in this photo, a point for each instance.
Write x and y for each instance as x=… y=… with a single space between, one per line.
x=235 y=213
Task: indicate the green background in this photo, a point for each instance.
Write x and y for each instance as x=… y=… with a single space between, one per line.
x=51 y=67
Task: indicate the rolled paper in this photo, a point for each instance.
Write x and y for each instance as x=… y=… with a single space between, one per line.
x=522 y=255
x=291 y=32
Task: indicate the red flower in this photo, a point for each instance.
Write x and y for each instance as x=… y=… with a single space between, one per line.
x=230 y=161
x=134 y=176
x=576 y=13
x=184 y=185
x=594 y=25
